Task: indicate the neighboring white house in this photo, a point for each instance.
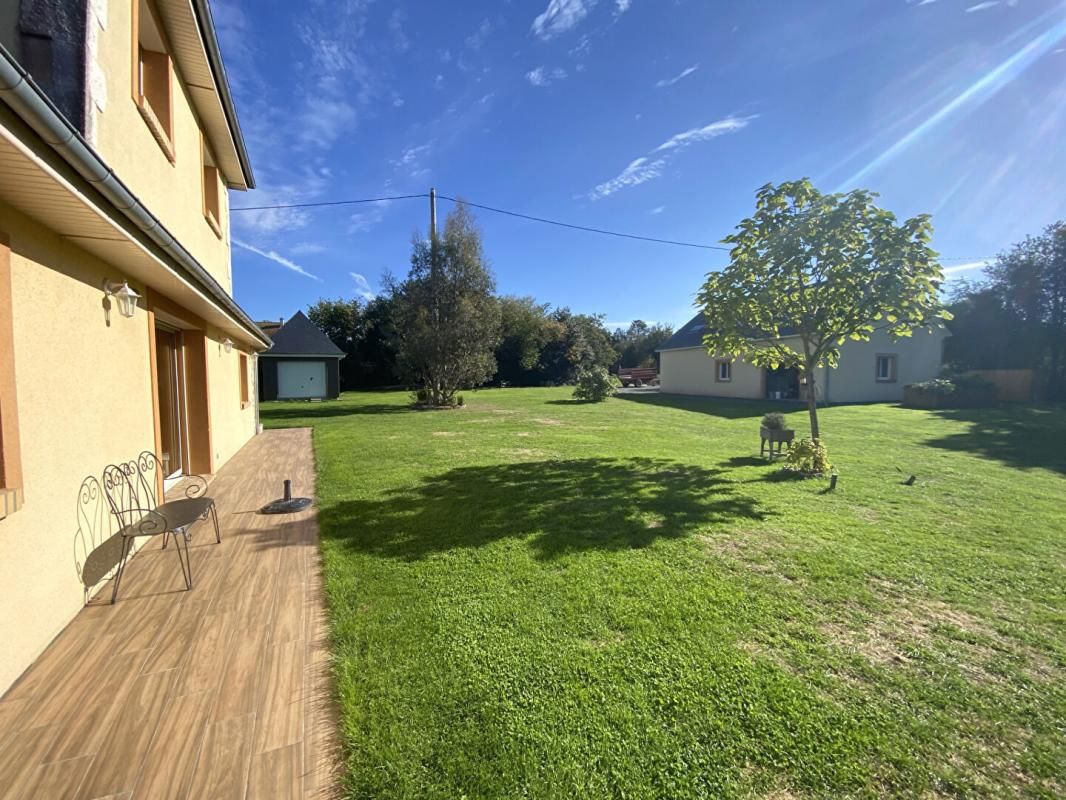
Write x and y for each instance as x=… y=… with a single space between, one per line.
x=873 y=371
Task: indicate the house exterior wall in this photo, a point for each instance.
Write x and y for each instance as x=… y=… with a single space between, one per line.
x=85 y=396
x=692 y=371
x=918 y=358
x=173 y=191
x=232 y=423
x=84 y=400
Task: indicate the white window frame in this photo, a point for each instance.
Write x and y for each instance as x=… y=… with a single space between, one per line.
x=891 y=361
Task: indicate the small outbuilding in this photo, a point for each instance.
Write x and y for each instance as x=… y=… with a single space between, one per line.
x=302 y=364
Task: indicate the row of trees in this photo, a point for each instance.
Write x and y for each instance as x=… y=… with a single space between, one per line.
x=443 y=328
x=1016 y=318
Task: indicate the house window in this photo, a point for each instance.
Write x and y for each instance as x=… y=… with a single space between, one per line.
x=243 y=366
x=886 y=369
x=212 y=212
x=10 y=464
x=723 y=371
x=152 y=75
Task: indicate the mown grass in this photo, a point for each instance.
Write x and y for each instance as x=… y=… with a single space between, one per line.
x=536 y=598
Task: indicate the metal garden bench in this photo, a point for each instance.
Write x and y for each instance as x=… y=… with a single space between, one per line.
x=132 y=489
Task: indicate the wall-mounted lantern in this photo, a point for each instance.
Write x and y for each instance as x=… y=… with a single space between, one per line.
x=126 y=297
x=227 y=345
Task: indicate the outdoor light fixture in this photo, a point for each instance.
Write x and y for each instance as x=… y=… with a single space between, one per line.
x=126 y=297
x=227 y=345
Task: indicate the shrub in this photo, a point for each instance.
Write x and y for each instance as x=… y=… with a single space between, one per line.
x=595 y=384
x=808 y=457
x=774 y=421
x=939 y=387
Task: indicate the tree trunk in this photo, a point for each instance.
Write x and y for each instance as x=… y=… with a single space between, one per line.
x=812 y=402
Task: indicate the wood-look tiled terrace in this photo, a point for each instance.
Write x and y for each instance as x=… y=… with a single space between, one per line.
x=219 y=692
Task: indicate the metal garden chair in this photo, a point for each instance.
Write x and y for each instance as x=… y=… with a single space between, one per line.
x=131 y=489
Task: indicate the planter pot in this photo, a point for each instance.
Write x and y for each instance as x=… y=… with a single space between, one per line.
x=774 y=436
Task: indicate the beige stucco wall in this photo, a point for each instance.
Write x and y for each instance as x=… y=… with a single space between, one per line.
x=692 y=371
x=84 y=400
x=231 y=425
x=918 y=358
x=173 y=192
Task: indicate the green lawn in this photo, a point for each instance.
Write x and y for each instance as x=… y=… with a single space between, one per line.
x=532 y=598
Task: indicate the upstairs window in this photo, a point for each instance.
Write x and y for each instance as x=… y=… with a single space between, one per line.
x=152 y=75
x=212 y=194
x=243 y=361
x=886 y=368
x=724 y=371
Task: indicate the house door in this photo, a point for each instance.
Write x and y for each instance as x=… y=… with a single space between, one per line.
x=782 y=383
x=170 y=380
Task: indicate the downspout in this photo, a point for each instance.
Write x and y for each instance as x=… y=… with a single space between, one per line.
x=18 y=90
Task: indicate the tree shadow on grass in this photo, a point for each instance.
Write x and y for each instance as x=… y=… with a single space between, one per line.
x=566 y=506
x=1019 y=436
x=331 y=409
x=712 y=406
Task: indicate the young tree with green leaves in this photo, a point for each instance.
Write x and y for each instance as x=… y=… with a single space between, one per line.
x=809 y=271
x=446 y=317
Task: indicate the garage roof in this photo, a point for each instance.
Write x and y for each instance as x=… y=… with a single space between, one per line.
x=301 y=337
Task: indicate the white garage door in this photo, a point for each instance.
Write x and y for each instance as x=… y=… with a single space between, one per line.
x=301 y=379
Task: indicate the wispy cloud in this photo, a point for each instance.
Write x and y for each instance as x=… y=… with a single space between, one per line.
x=475 y=40
x=622 y=6
x=399 y=38
x=657 y=210
x=362 y=286
x=277 y=258
x=968 y=267
x=679 y=77
x=307 y=248
x=373 y=213
x=561 y=16
x=650 y=166
x=982 y=6
x=542 y=76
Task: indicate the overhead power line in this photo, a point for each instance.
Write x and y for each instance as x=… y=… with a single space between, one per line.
x=331 y=203
x=530 y=218
x=584 y=227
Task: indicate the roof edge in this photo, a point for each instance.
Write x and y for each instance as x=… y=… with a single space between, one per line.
x=32 y=105
x=206 y=23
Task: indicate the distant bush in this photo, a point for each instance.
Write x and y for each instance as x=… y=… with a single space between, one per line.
x=774 y=421
x=595 y=384
x=808 y=457
x=939 y=387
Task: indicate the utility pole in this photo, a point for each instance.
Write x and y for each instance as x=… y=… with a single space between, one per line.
x=432 y=214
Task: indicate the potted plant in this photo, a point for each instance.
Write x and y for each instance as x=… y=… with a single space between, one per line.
x=774 y=430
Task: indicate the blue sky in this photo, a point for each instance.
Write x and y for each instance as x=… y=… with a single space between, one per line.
x=655 y=117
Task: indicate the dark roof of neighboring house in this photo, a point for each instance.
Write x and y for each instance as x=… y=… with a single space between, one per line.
x=688 y=335
x=692 y=332
x=301 y=337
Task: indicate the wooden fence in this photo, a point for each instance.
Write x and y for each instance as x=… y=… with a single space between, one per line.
x=1012 y=385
